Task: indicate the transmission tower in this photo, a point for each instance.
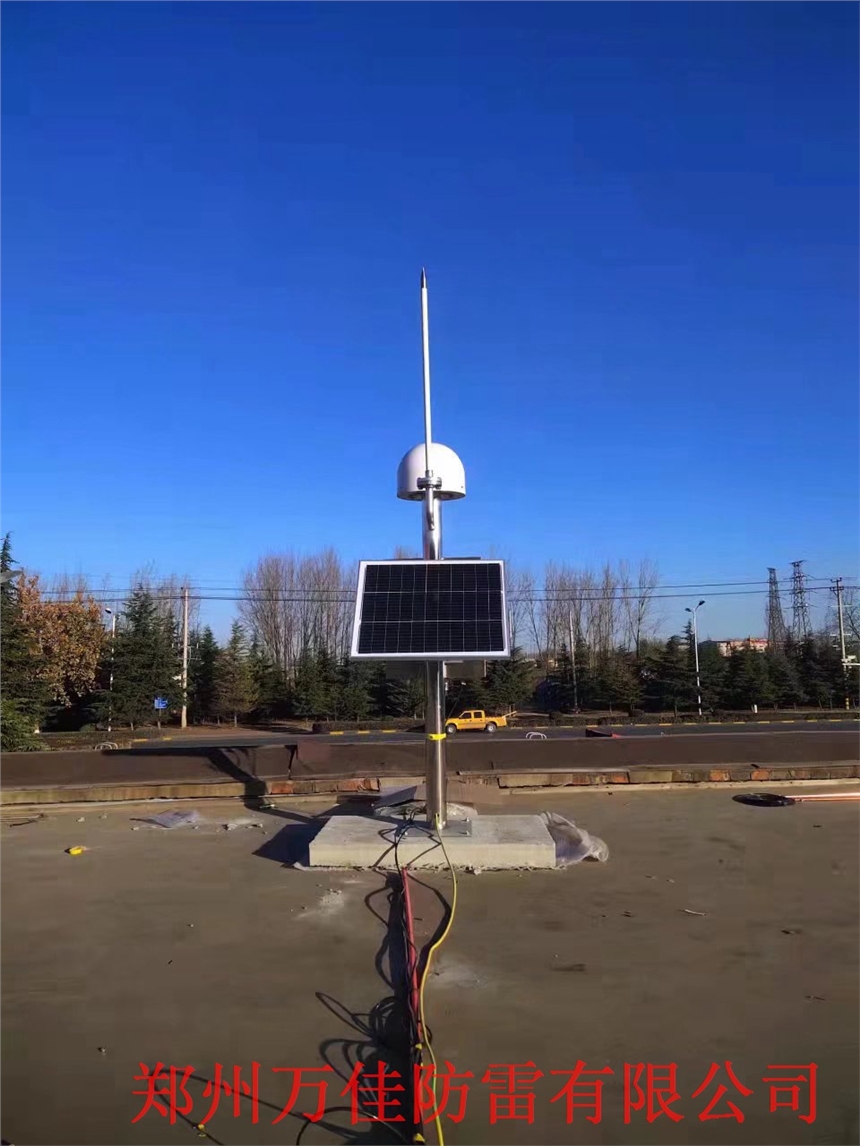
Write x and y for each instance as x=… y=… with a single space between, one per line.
x=801 y=626
x=775 y=621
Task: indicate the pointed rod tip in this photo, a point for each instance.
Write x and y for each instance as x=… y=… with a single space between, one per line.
x=423 y=278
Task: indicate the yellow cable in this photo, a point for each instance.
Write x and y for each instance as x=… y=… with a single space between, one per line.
x=435 y=947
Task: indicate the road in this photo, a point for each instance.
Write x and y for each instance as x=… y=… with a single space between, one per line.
x=247 y=739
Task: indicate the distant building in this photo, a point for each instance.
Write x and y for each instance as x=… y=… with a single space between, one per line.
x=726 y=648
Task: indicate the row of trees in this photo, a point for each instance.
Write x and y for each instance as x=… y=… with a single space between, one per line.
x=287 y=654
x=291 y=604
x=661 y=678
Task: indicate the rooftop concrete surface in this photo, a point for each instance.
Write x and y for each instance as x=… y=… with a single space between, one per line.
x=196 y=947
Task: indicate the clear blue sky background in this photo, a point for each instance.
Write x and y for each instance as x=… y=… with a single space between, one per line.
x=640 y=227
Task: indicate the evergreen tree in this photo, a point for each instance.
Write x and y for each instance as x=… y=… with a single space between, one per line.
x=314 y=694
x=748 y=680
x=819 y=667
x=355 y=700
x=25 y=695
x=234 y=681
x=396 y=697
x=270 y=686
x=147 y=661
x=509 y=683
x=465 y=694
x=784 y=678
x=203 y=663
x=673 y=685
x=712 y=673
x=555 y=691
x=619 y=680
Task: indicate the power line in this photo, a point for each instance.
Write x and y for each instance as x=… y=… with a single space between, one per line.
x=341 y=596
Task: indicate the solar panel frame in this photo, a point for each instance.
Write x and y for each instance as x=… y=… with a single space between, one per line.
x=371 y=610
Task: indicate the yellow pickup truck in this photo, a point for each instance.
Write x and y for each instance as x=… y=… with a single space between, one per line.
x=474 y=720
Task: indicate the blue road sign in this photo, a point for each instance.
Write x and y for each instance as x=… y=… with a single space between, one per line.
x=160 y=702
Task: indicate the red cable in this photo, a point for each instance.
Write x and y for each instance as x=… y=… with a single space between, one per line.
x=413 y=956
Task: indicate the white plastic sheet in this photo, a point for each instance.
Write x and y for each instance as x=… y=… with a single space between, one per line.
x=573 y=844
x=172 y=820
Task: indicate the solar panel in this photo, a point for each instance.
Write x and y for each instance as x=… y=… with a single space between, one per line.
x=430 y=610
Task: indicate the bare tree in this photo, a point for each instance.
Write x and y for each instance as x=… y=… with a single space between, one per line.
x=637 y=602
x=267 y=608
x=167 y=592
x=294 y=605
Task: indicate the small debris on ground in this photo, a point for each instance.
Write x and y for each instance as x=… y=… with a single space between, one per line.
x=689 y=911
x=231 y=825
x=102 y=1050
x=80 y=819
x=815 y=998
x=172 y=820
x=629 y=914
x=76 y=850
x=791 y=931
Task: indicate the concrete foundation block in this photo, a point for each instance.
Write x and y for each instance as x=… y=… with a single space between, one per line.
x=495 y=843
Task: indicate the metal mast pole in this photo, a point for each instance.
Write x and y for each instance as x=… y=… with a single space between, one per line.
x=435 y=777
x=838 y=591
x=184 y=717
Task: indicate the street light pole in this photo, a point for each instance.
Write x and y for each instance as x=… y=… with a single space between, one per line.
x=112 y=615
x=696 y=650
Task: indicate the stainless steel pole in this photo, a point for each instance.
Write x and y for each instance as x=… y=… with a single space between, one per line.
x=436 y=787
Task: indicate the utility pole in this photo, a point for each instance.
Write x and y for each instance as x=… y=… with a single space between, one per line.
x=696 y=650
x=572 y=646
x=184 y=718
x=837 y=581
x=112 y=616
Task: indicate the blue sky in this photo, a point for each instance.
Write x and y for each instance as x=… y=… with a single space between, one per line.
x=640 y=228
